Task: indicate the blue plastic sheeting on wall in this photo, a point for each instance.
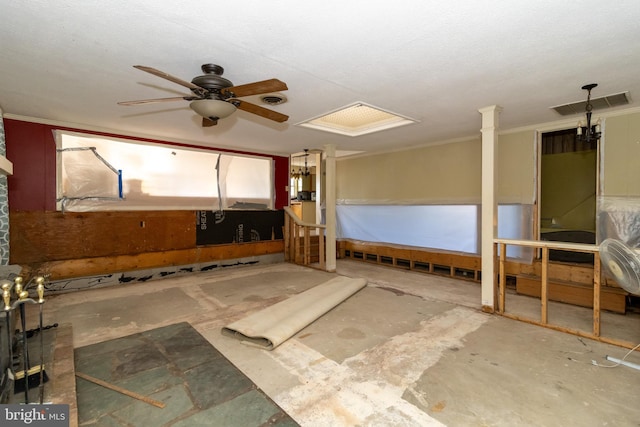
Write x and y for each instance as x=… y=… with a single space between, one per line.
x=447 y=227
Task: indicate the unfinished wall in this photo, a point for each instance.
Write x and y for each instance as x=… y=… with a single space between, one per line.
x=73 y=245
x=621 y=156
x=516 y=182
x=440 y=174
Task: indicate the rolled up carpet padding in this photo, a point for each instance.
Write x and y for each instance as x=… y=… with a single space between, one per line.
x=270 y=327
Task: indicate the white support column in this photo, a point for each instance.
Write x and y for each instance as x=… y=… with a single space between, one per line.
x=489 y=204
x=330 y=205
x=319 y=191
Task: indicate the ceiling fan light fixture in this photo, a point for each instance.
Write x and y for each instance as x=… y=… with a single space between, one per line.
x=212 y=108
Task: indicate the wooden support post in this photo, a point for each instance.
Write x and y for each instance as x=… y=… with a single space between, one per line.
x=596 y=293
x=330 y=205
x=544 y=318
x=489 y=206
x=503 y=279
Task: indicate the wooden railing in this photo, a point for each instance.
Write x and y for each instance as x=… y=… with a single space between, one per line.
x=545 y=246
x=298 y=238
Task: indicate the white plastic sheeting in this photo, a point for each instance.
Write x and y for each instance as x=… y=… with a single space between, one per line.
x=515 y=221
x=439 y=227
x=446 y=227
x=619 y=218
x=99 y=173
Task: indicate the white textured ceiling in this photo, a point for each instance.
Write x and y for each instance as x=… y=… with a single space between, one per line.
x=434 y=61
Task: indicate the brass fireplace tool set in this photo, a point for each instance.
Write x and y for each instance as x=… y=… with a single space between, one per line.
x=15 y=296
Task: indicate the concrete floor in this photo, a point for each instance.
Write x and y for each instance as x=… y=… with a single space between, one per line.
x=409 y=349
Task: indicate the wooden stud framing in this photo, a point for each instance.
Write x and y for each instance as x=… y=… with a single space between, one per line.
x=596 y=294
x=544 y=298
x=546 y=246
x=300 y=241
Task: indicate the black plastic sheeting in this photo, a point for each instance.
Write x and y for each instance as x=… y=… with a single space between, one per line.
x=231 y=226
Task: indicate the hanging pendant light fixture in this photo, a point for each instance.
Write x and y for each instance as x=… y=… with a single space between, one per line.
x=589 y=135
x=302 y=172
x=306 y=168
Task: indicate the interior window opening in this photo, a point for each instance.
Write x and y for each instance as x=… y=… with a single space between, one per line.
x=99 y=173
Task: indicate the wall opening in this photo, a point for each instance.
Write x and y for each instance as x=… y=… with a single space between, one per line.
x=568 y=186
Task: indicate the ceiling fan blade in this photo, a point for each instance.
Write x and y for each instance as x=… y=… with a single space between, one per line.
x=265 y=86
x=169 y=77
x=260 y=111
x=151 y=101
x=206 y=122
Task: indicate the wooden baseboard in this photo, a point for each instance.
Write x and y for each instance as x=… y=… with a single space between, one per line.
x=442 y=263
x=57 y=270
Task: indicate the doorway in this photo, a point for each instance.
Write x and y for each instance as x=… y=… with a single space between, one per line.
x=568 y=186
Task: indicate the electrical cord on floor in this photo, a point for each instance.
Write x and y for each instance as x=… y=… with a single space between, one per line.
x=618 y=363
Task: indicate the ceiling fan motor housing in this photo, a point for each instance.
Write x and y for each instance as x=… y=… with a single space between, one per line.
x=212 y=80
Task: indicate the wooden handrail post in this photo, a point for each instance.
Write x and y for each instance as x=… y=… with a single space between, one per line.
x=307 y=246
x=296 y=243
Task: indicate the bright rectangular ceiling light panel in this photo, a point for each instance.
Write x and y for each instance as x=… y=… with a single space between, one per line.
x=357 y=119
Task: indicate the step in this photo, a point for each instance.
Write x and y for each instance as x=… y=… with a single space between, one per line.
x=611 y=299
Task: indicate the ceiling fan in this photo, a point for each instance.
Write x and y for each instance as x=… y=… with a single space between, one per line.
x=214 y=97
